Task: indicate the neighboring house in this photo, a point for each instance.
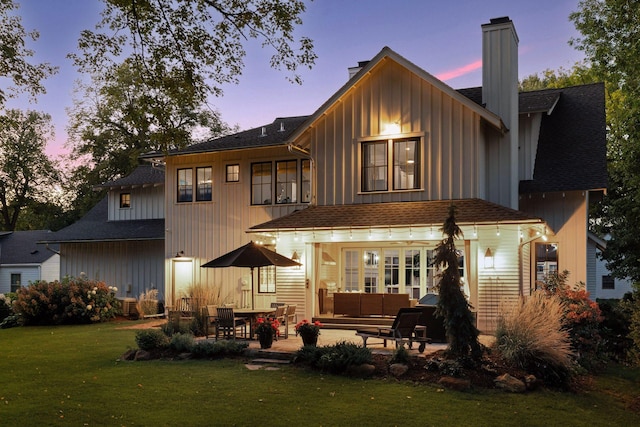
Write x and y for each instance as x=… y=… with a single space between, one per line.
x=121 y=240
x=359 y=190
x=23 y=260
x=602 y=285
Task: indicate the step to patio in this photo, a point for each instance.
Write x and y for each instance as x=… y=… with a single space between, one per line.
x=269 y=361
x=273 y=355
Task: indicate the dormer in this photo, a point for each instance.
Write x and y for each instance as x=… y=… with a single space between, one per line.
x=137 y=196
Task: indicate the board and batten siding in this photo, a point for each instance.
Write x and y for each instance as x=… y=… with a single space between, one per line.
x=206 y=230
x=133 y=267
x=448 y=130
x=146 y=203
x=566 y=213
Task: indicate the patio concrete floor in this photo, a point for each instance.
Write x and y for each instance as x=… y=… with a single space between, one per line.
x=332 y=336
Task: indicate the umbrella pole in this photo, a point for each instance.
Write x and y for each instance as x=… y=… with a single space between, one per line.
x=252 y=305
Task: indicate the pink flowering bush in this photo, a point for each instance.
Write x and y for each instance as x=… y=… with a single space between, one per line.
x=73 y=300
x=582 y=319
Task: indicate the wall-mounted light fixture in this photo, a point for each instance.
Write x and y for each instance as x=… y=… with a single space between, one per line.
x=295 y=257
x=179 y=254
x=488 y=259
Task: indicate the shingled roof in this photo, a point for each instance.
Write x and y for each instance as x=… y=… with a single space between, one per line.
x=94 y=227
x=21 y=247
x=274 y=134
x=469 y=211
x=143 y=175
x=572 y=144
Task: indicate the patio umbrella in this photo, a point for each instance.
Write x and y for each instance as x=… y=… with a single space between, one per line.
x=251 y=255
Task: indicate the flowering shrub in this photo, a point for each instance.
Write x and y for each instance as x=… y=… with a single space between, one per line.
x=74 y=300
x=5 y=307
x=267 y=326
x=582 y=319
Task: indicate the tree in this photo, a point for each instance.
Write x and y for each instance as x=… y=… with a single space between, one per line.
x=14 y=64
x=610 y=32
x=26 y=173
x=118 y=117
x=579 y=74
x=200 y=40
x=462 y=335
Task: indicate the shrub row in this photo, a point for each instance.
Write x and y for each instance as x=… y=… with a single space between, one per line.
x=336 y=358
x=178 y=342
x=73 y=300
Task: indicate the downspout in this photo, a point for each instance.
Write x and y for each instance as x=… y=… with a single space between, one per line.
x=52 y=250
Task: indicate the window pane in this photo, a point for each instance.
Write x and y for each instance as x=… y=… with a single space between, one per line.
x=371 y=274
x=125 y=200
x=305 y=193
x=16 y=279
x=267 y=280
x=374 y=166
x=203 y=176
x=261 y=183
x=351 y=267
x=546 y=260
x=392 y=271
x=233 y=173
x=405 y=165
x=287 y=187
x=412 y=272
x=185 y=185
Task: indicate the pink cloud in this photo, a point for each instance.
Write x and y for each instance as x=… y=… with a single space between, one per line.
x=460 y=71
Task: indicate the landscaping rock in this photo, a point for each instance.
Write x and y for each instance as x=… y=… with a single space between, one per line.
x=142 y=355
x=398 y=369
x=128 y=355
x=531 y=382
x=453 y=383
x=511 y=384
x=364 y=370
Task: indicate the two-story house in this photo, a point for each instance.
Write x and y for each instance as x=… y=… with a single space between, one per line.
x=358 y=190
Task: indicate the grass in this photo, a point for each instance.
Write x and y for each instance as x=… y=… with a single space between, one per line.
x=71 y=376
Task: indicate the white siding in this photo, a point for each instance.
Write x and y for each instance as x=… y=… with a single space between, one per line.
x=50 y=270
x=449 y=133
x=146 y=203
x=29 y=273
x=133 y=267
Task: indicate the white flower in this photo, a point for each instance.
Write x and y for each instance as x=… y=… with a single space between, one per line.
x=89 y=307
x=93 y=292
x=115 y=289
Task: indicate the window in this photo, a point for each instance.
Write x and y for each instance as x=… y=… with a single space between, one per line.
x=203 y=176
x=405 y=170
x=374 y=166
x=267 y=280
x=608 y=282
x=185 y=185
x=371 y=273
x=392 y=271
x=125 y=200
x=261 y=183
x=286 y=175
x=405 y=165
x=546 y=260
x=305 y=181
x=351 y=269
x=233 y=173
x=16 y=279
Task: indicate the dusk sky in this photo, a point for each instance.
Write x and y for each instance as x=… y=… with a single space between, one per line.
x=442 y=37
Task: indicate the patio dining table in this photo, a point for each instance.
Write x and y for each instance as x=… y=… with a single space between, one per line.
x=252 y=314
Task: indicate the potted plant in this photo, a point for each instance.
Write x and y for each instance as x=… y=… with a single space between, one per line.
x=308 y=331
x=266 y=329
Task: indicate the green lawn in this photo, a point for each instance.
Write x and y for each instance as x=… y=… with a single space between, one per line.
x=70 y=375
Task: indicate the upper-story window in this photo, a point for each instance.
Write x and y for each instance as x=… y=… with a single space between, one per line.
x=203 y=176
x=286 y=181
x=261 y=183
x=233 y=173
x=403 y=172
x=185 y=185
x=125 y=200
x=282 y=181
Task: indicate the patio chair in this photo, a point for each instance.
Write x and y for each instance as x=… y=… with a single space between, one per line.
x=228 y=324
x=402 y=330
x=211 y=319
x=279 y=315
x=290 y=315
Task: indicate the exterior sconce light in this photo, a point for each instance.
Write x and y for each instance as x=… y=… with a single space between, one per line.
x=179 y=254
x=295 y=257
x=488 y=259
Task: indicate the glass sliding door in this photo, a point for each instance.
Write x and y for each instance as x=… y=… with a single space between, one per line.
x=392 y=271
x=412 y=272
x=351 y=270
x=371 y=273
